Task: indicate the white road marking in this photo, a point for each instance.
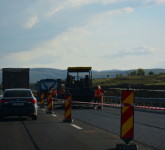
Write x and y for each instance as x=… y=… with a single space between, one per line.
x=43 y=109
x=77 y=127
x=54 y=115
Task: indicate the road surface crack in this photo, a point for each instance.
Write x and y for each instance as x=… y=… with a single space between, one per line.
x=31 y=137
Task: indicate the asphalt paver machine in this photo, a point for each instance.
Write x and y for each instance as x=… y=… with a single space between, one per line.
x=79 y=83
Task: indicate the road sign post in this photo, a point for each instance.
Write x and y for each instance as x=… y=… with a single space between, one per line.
x=68 y=109
x=127 y=120
x=127 y=116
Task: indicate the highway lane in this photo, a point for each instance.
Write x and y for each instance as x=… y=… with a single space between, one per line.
x=149 y=126
x=50 y=133
x=90 y=131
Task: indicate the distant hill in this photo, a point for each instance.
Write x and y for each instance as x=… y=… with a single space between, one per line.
x=113 y=73
x=44 y=73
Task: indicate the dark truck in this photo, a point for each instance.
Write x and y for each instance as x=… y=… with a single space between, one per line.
x=45 y=85
x=15 y=78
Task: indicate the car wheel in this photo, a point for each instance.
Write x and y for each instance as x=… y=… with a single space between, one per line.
x=34 y=117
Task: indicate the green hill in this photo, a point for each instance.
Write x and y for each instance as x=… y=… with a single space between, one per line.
x=141 y=82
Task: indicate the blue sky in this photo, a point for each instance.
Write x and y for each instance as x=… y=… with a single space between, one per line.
x=104 y=34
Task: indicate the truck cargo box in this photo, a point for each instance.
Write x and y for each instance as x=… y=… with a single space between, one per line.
x=15 y=78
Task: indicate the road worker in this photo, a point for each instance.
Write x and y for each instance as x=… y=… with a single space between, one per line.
x=50 y=100
x=98 y=95
x=62 y=91
x=54 y=93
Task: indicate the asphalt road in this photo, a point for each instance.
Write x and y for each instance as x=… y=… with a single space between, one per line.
x=149 y=126
x=50 y=133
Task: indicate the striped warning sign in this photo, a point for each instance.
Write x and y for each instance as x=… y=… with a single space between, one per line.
x=42 y=98
x=68 y=108
x=127 y=115
x=49 y=102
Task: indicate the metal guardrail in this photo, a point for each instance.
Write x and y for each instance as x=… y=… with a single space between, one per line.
x=139 y=101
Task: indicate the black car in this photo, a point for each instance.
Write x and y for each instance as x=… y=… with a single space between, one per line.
x=18 y=102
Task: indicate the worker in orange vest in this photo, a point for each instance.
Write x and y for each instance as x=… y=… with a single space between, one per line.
x=49 y=101
x=98 y=95
x=54 y=93
x=62 y=91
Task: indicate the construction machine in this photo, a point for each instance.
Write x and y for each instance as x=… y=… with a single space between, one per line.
x=79 y=83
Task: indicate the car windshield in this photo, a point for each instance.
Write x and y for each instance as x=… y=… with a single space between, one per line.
x=18 y=93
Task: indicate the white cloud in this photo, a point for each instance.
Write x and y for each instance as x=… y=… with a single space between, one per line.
x=103 y=18
x=67 y=47
x=77 y=3
x=160 y=64
x=67 y=4
x=137 y=51
x=31 y=22
x=128 y=9
x=156 y=1
x=25 y=56
x=75 y=46
x=84 y=45
x=119 y=11
x=160 y=1
x=53 y=7
x=141 y=50
x=54 y=11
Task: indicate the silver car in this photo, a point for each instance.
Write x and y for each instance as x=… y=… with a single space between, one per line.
x=18 y=102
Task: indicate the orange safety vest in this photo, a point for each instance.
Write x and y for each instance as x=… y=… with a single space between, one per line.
x=62 y=91
x=55 y=92
x=99 y=92
x=49 y=95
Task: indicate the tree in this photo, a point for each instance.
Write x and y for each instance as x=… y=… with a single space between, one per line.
x=108 y=76
x=133 y=73
x=118 y=75
x=151 y=73
x=140 y=72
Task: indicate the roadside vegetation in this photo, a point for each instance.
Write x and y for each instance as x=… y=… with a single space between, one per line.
x=133 y=79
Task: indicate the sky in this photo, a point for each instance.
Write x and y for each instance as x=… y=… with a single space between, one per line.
x=103 y=34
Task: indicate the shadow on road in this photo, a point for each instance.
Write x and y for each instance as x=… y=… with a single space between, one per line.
x=125 y=147
x=13 y=119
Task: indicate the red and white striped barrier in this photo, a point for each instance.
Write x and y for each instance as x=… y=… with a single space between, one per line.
x=112 y=105
x=151 y=108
